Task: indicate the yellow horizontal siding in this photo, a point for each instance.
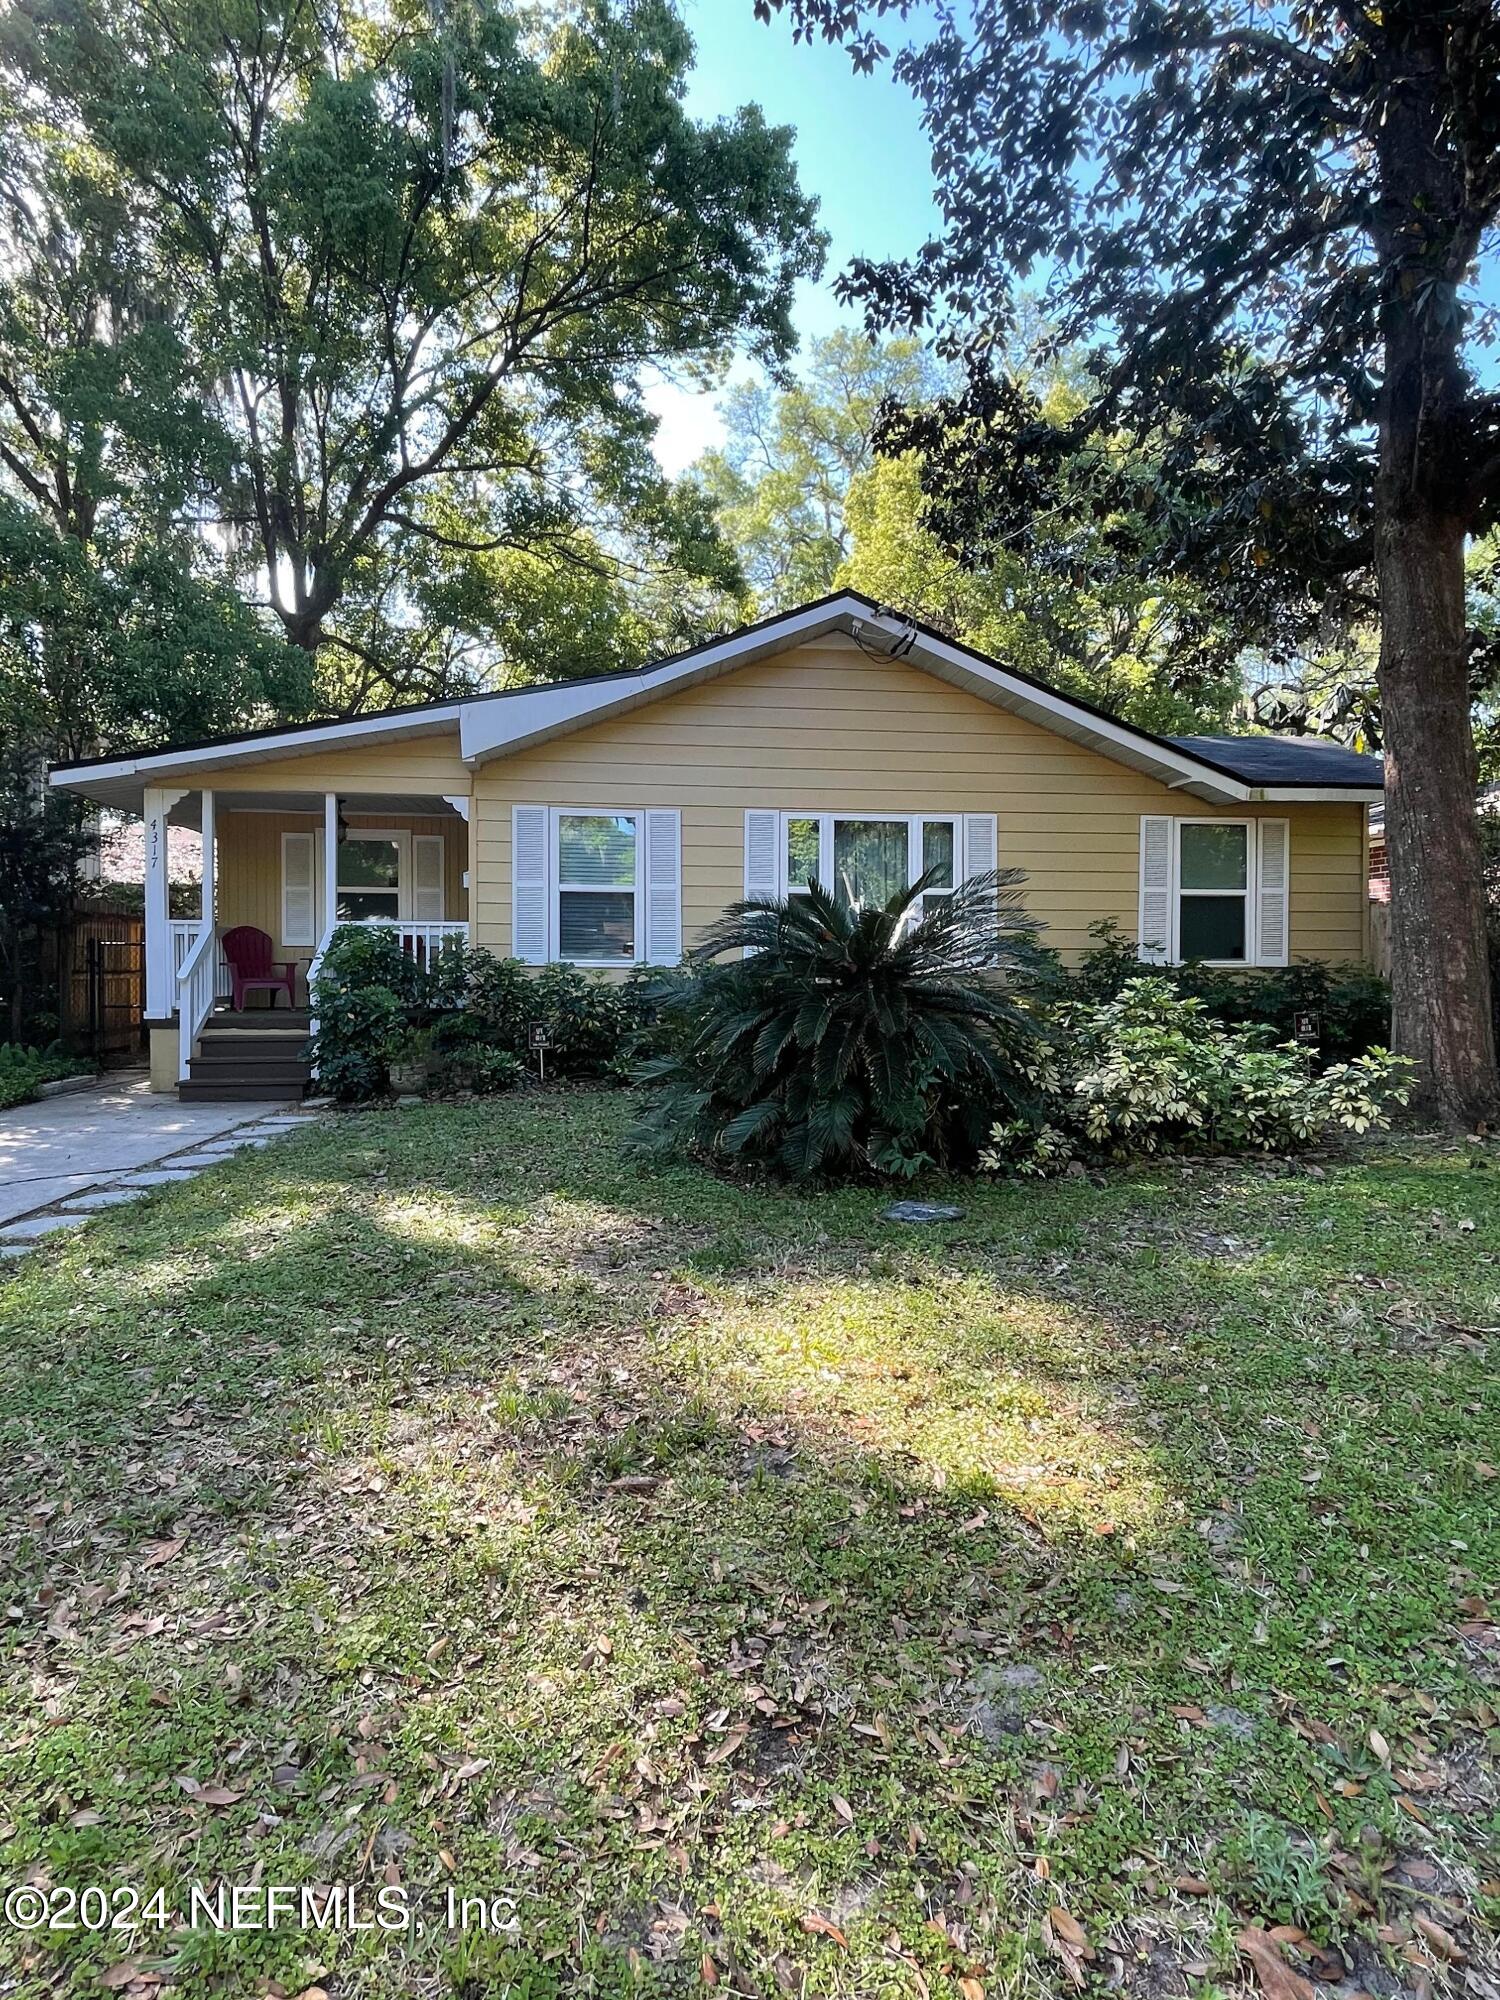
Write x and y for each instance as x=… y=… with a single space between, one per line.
x=428 y=764
x=827 y=728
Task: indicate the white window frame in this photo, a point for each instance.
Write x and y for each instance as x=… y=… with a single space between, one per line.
x=401 y=838
x=1251 y=890
x=557 y=888
x=827 y=819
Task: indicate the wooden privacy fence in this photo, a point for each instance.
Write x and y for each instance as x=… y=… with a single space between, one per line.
x=102 y=990
x=1380 y=936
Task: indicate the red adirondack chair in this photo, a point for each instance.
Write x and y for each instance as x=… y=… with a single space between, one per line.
x=251 y=968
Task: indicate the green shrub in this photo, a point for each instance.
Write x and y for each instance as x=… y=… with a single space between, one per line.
x=483 y=1069
x=846 y=1041
x=24 y=1070
x=468 y=1013
x=1352 y=1002
x=364 y=1002
x=1149 y=1069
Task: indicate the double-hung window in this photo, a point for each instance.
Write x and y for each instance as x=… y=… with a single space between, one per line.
x=1214 y=890
x=597 y=869
x=865 y=859
x=369 y=877
x=597 y=887
x=381 y=875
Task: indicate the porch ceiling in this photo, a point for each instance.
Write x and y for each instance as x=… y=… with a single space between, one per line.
x=358 y=805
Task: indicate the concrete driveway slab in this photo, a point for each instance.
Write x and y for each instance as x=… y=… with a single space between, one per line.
x=58 y=1148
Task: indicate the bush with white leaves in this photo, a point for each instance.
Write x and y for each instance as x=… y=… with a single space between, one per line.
x=1149 y=1071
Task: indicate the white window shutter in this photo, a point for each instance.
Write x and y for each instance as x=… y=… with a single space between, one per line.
x=663 y=888
x=762 y=856
x=298 y=890
x=1154 y=931
x=1273 y=880
x=427 y=871
x=528 y=884
x=981 y=844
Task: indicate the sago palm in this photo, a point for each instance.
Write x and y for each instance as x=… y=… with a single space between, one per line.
x=845 y=1039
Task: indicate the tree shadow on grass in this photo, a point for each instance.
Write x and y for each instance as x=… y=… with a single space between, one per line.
x=664 y=1554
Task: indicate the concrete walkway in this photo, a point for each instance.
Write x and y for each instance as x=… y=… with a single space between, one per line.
x=120 y=1137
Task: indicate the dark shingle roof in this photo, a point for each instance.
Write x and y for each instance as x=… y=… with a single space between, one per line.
x=1286 y=760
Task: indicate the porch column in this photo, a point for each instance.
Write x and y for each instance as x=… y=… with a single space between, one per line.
x=161 y=974
x=330 y=865
x=461 y=802
x=209 y=905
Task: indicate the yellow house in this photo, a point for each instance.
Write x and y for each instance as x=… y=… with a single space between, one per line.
x=604 y=821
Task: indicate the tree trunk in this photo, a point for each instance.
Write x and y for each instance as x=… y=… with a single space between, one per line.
x=1439 y=958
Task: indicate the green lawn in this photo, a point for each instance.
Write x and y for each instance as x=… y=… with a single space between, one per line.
x=751 y=1592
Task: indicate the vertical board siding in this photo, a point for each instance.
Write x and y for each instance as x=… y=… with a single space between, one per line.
x=826 y=727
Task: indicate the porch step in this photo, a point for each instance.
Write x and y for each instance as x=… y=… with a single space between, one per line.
x=267 y=1069
x=260 y=1019
x=240 y=1089
x=245 y=1056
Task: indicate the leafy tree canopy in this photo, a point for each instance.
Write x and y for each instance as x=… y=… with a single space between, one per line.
x=808 y=505
x=1063 y=611
x=791 y=453
x=359 y=299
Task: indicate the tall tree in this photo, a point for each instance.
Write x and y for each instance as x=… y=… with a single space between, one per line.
x=1273 y=217
x=791 y=451
x=1065 y=609
x=808 y=505
x=416 y=257
x=117 y=621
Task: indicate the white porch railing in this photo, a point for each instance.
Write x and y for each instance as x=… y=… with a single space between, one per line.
x=195 y=995
x=419 y=940
x=184 y=936
x=424 y=941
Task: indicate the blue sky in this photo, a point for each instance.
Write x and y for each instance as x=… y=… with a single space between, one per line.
x=859 y=148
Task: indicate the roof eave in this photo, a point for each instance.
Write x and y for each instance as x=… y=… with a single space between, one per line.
x=492 y=728
x=1325 y=795
x=122 y=782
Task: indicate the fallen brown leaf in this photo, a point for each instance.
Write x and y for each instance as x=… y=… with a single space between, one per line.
x=726 y=1749
x=1276 y=1977
x=821 y=1927
x=1068 y=1928
x=1445 y=1945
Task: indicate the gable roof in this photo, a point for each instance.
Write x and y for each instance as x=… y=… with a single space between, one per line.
x=1223 y=769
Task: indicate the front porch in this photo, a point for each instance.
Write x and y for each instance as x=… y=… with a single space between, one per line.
x=293 y=868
